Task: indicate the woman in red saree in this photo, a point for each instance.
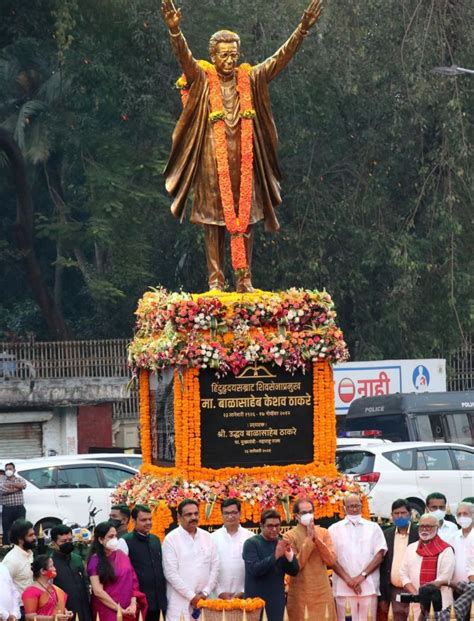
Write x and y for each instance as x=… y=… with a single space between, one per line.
x=42 y=600
x=113 y=579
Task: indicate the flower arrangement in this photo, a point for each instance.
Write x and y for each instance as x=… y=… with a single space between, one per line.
x=165 y=492
x=250 y=604
x=227 y=331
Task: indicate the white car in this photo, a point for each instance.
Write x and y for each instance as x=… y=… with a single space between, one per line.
x=134 y=460
x=410 y=470
x=347 y=442
x=71 y=490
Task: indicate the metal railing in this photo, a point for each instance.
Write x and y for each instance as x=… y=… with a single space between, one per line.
x=460 y=367
x=64 y=359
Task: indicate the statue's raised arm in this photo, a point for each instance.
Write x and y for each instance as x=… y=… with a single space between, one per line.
x=171 y=15
x=172 y=18
x=311 y=15
x=272 y=66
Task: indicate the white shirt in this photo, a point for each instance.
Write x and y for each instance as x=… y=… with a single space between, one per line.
x=190 y=565
x=231 y=576
x=411 y=566
x=447 y=531
x=9 y=596
x=463 y=549
x=18 y=562
x=356 y=545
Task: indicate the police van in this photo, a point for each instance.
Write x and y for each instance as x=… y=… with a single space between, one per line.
x=426 y=417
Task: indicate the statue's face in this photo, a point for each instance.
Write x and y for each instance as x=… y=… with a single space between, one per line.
x=226 y=58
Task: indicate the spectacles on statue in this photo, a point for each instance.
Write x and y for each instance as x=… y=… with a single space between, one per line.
x=226 y=55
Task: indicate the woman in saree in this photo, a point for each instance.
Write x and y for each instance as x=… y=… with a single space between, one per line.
x=113 y=580
x=43 y=600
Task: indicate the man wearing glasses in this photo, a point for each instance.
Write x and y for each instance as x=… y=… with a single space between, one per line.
x=428 y=562
x=267 y=559
x=310 y=589
x=360 y=548
x=229 y=541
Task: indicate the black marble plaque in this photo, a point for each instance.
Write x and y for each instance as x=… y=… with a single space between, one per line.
x=262 y=417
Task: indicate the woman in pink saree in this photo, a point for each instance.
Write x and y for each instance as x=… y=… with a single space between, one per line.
x=43 y=600
x=113 y=579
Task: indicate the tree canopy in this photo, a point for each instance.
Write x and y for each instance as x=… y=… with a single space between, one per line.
x=375 y=149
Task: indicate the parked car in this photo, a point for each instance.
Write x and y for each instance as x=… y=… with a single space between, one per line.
x=134 y=460
x=360 y=441
x=409 y=470
x=67 y=490
x=425 y=417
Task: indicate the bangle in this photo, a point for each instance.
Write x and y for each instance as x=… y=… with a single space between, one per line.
x=303 y=32
x=176 y=34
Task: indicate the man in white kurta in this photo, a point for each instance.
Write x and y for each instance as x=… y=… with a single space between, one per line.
x=412 y=563
x=463 y=542
x=190 y=563
x=360 y=547
x=229 y=541
x=9 y=596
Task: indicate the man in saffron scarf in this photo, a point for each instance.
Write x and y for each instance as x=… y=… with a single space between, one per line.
x=428 y=561
x=192 y=164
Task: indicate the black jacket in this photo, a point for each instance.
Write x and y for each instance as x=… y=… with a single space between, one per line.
x=386 y=566
x=145 y=555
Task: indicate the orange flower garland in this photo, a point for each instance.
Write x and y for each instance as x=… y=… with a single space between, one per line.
x=188 y=430
x=145 y=428
x=236 y=223
x=249 y=605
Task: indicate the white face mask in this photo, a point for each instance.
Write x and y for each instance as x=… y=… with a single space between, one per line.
x=439 y=514
x=464 y=522
x=112 y=544
x=426 y=536
x=9 y=473
x=306 y=519
x=355 y=519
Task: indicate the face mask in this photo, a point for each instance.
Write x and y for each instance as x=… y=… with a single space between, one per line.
x=439 y=514
x=355 y=519
x=464 y=522
x=9 y=473
x=306 y=519
x=66 y=548
x=50 y=574
x=116 y=523
x=112 y=544
x=401 y=522
x=425 y=536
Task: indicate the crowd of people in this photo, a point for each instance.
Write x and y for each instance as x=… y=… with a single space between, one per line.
x=130 y=572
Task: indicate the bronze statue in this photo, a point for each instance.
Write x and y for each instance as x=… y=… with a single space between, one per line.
x=241 y=187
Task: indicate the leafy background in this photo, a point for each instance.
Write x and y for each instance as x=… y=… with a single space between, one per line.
x=376 y=153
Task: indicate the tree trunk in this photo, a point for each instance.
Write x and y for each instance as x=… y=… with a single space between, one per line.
x=24 y=227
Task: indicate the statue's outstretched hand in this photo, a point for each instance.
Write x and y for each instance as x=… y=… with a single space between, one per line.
x=171 y=15
x=310 y=16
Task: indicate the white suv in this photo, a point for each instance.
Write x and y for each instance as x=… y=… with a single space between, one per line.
x=69 y=490
x=410 y=470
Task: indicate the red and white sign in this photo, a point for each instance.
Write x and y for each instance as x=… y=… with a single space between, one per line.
x=383 y=377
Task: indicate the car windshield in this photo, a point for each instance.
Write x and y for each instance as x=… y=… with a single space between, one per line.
x=355 y=462
x=393 y=426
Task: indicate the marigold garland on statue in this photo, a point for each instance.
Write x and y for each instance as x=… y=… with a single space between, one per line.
x=237 y=222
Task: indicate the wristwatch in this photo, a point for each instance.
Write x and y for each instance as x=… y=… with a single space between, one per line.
x=363 y=574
